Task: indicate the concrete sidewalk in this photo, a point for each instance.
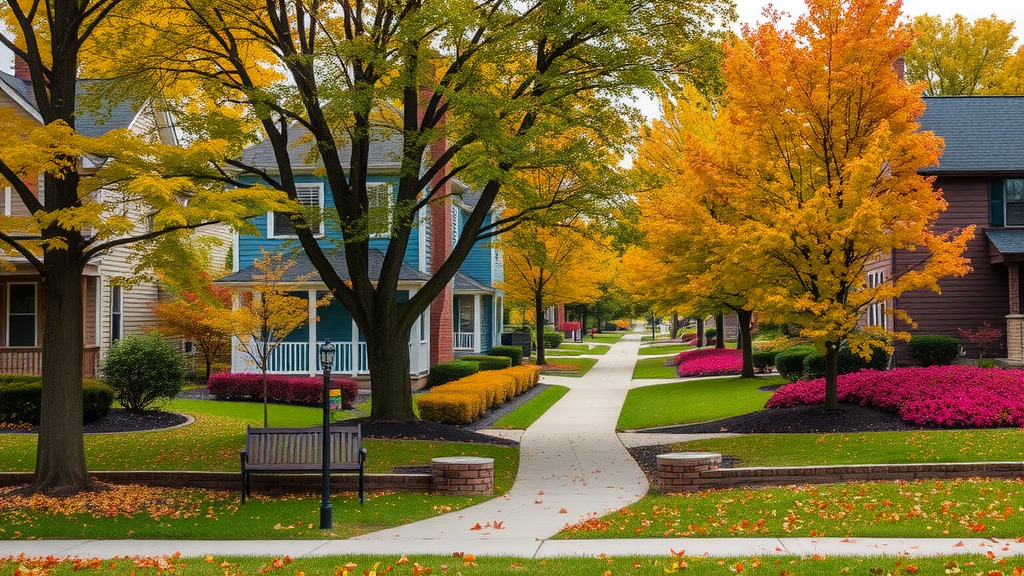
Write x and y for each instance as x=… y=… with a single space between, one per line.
x=519 y=547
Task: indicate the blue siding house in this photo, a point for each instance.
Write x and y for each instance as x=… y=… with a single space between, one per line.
x=475 y=302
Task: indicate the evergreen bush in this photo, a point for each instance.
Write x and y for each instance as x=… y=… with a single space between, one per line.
x=762 y=360
x=445 y=372
x=710 y=333
x=21 y=398
x=143 y=370
x=790 y=362
x=553 y=339
x=515 y=353
x=934 y=349
x=490 y=362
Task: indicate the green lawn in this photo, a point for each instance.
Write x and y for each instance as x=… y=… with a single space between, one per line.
x=561 y=353
x=926 y=508
x=663 y=349
x=653 y=368
x=1001 y=444
x=693 y=401
x=584 y=365
x=606 y=337
x=465 y=564
x=528 y=413
x=597 y=350
x=658 y=336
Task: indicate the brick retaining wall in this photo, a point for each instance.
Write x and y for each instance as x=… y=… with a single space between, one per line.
x=463 y=475
x=695 y=471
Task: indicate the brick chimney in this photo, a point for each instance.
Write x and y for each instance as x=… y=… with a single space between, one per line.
x=442 y=337
x=899 y=66
x=21 y=71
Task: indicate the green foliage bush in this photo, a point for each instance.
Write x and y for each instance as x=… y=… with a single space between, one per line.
x=763 y=359
x=143 y=370
x=515 y=353
x=710 y=333
x=847 y=362
x=934 y=349
x=445 y=372
x=790 y=362
x=21 y=397
x=490 y=362
x=553 y=339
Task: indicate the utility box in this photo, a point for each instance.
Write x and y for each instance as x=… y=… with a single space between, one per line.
x=518 y=339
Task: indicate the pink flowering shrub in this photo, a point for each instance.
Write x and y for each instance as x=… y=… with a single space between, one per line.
x=946 y=396
x=709 y=362
x=290 y=389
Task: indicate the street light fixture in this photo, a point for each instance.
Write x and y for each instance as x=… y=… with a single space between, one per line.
x=326 y=363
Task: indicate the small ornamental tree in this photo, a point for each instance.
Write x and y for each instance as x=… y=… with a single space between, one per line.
x=197 y=316
x=143 y=370
x=984 y=338
x=267 y=315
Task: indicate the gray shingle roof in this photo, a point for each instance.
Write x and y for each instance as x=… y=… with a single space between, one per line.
x=982 y=133
x=1006 y=240
x=463 y=283
x=385 y=150
x=87 y=123
x=303 y=269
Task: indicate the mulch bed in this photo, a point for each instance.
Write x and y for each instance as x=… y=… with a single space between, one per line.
x=426 y=430
x=801 y=420
x=117 y=420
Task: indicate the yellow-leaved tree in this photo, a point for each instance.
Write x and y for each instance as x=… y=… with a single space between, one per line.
x=816 y=167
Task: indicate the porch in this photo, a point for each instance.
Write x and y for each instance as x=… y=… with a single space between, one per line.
x=29 y=360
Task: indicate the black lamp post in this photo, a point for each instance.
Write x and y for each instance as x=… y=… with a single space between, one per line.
x=326 y=511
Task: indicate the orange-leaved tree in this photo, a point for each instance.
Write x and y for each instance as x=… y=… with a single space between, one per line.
x=816 y=165
x=194 y=314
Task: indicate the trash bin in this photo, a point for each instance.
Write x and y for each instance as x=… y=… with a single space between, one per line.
x=518 y=339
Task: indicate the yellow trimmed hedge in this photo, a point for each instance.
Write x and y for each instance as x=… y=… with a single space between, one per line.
x=467 y=399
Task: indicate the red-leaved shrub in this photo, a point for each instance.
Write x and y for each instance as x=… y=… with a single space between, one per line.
x=709 y=362
x=946 y=396
x=569 y=326
x=291 y=389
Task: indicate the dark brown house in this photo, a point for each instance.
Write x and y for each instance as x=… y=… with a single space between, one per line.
x=981 y=175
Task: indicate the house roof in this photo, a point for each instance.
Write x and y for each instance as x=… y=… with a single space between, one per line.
x=303 y=270
x=982 y=133
x=463 y=283
x=385 y=150
x=120 y=115
x=1005 y=244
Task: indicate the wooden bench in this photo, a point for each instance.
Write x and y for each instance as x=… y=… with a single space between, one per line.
x=290 y=450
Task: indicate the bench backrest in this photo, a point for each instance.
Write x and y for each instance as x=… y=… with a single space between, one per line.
x=301 y=445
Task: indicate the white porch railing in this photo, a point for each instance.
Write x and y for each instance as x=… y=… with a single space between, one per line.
x=465 y=341
x=293 y=358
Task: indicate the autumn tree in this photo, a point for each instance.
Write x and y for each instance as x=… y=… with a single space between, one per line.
x=98 y=194
x=472 y=90
x=816 y=167
x=555 y=265
x=193 y=313
x=961 y=57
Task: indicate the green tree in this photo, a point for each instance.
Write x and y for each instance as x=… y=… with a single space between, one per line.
x=473 y=89
x=960 y=57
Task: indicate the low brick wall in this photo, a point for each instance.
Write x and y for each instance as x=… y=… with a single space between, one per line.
x=463 y=475
x=695 y=471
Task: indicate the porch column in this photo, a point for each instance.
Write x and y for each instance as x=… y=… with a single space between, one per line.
x=414 y=341
x=1014 y=320
x=477 y=323
x=314 y=356
x=355 y=348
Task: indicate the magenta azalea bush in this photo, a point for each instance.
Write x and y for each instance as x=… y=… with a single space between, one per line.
x=709 y=362
x=946 y=396
x=289 y=389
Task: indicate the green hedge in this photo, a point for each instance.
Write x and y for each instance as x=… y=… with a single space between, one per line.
x=710 y=333
x=553 y=339
x=934 y=349
x=445 y=372
x=762 y=360
x=515 y=353
x=790 y=362
x=21 y=397
x=490 y=362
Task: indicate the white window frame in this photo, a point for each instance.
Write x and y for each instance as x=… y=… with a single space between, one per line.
x=35 y=314
x=373 y=194
x=116 y=312
x=319 y=188
x=876 y=311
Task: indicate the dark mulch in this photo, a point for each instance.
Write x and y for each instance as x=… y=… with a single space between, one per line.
x=118 y=420
x=647 y=458
x=426 y=430
x=801 y=420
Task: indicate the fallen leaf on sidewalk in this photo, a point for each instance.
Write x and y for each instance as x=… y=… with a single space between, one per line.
x=538 y=501
x=563 y=511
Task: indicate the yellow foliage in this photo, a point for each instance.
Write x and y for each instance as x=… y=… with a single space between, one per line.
x=456 y=408
x=450 y=403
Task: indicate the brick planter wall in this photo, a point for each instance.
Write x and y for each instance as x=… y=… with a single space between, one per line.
x=463 y=475
x=695 y=471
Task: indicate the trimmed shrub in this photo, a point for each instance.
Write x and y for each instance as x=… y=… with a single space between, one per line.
x=790 y=362
x=526 y=377
x=445 y=372
x=22 y=396
x=710 y=333
x=455 y=408
x=304 y=390
x=490 y=362
x=515 y=353
x=934 y=349
x=143 y=370
x=553 y=339
x=847 y=362
x=763 y=360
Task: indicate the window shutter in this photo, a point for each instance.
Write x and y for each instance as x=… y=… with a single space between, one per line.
x=996 y=214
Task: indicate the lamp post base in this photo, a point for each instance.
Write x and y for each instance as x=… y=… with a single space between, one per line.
x=326 y=517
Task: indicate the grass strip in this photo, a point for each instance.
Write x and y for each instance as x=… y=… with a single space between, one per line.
x=988 y=445
x=663 y=349
x=528 y=413
x=653 y=368
x=584 y=365
x=466 y=564
x=606 y=337
x=693 y=401
x=926 y=508
x=597 y=350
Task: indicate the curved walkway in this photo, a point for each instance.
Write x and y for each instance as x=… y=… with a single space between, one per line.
x=571 y=464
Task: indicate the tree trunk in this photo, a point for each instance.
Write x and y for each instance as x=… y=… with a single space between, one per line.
x=700 y=332
x=831 y=376
x=583 y=323
x=60 y=454
x=719 y=331
x=674 y=326
x=654 y=334
x=538 y=308
x=387 y=350
x=265 y=393
x=743 y=342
